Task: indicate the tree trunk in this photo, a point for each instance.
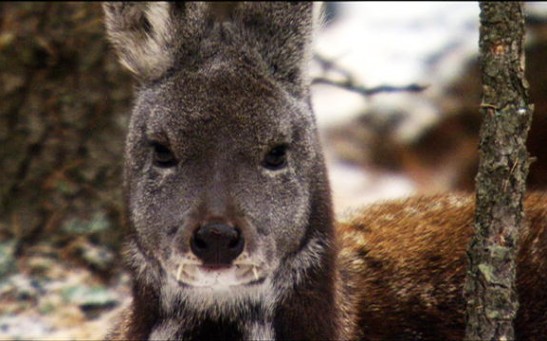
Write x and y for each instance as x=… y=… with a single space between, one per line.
x=63 y=117
x=492 y=301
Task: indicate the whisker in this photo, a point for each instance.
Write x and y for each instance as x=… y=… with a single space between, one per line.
x=186 y=262
x=247 y=264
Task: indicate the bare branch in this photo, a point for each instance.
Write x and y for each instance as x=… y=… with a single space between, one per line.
x=349 y=83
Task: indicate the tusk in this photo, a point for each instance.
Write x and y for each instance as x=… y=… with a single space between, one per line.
x=255 y=273
x=179 y=271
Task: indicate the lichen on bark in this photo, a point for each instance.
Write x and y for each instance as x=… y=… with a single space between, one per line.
x=492 y=301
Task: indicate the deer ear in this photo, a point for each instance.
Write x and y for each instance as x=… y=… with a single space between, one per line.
x=283 y=33
x=143 y=36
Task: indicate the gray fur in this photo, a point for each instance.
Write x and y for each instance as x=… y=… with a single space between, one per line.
x=220 y=86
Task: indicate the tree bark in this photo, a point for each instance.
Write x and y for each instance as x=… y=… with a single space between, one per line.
x=63 y=116
x=490 y=291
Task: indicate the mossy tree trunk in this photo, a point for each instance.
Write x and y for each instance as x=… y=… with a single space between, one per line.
x=492 y=301
x=63 y=116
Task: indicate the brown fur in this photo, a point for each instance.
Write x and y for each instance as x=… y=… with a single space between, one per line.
x=403 y=265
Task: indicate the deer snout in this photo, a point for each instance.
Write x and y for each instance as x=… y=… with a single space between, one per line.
x=217 y=244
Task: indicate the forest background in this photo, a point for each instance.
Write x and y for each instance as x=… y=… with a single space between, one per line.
x=64 y=111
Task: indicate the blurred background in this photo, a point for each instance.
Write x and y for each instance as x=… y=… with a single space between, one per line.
x=396 y=93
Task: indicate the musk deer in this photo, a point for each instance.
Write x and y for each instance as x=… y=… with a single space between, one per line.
x=233 y=234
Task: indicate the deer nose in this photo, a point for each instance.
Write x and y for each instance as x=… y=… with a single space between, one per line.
x=217 y=244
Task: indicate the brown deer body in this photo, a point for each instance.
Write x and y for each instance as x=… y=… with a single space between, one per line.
x=233 y=235
x=403 y=265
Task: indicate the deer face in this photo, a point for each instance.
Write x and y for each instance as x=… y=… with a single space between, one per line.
x=224 y=175
x=218 y=164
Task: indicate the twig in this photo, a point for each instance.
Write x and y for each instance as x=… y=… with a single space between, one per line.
x=350 y=86
x=349 y=83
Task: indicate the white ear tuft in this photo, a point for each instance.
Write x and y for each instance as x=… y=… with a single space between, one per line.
x=318 y=16
x=143 y=36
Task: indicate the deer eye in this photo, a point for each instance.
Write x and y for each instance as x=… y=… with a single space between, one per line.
x=276 y=158
x=162 y=156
